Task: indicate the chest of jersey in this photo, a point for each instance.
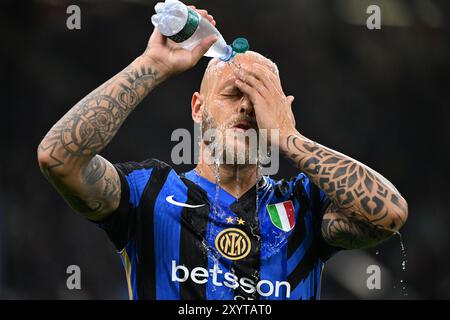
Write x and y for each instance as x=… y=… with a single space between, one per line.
x=210 y=246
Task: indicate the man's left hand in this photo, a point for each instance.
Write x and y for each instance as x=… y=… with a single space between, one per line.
x=273 y=109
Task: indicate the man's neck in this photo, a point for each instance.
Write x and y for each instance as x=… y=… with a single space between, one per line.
x=234 y=179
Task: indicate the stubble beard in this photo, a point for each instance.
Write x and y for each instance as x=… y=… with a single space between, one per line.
x=225 y=148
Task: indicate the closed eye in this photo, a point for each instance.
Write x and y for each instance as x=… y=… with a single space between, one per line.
x=232 y=93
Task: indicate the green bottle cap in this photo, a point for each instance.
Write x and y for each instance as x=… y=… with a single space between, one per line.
x=240 y=45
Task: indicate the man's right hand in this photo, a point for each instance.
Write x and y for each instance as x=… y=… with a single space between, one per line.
x=171 y=59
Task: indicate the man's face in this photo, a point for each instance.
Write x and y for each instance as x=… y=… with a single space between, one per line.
x=229 y=111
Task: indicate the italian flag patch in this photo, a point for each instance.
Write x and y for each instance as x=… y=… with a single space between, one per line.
x=282 y=215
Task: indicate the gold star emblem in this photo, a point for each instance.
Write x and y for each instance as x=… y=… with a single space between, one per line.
x=230 y=220
x=240 y=221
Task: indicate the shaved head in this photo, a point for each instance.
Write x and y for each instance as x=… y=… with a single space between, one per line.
x=216 y=67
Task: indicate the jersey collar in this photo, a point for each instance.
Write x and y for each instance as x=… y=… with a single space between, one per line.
x=224 y=197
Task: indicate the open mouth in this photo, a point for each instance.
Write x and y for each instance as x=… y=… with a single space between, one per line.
x=242 y=126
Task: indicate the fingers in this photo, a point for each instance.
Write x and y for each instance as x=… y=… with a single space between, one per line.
x=211 y=19
x=255 y=79
x=260 y=83
x=269 y=78
x=204 y=14
x=203 y=47
x=251 y=79
x=251 y=92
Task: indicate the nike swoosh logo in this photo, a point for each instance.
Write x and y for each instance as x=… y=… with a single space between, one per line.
x=170 y=200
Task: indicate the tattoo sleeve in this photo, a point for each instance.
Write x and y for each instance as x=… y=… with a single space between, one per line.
x=68 y=153
x=366 y=208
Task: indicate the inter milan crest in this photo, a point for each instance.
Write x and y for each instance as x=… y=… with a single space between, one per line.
x=233 y=244
x=282 y=215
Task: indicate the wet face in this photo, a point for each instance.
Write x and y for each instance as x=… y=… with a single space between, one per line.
x=226 y=109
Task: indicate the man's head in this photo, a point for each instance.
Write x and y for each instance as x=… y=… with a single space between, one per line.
x=221 y=106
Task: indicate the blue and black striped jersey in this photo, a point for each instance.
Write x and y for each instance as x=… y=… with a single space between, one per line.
x=179 y=240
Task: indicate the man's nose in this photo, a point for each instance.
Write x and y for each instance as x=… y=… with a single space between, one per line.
x=246 y=107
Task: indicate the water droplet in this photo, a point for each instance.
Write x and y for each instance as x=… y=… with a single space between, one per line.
x=258 y=177
x=235 y=63
x=404 y=262
x=217 y=174
x=238 y=185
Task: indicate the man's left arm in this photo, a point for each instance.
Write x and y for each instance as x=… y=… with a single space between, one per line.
x=365 y=207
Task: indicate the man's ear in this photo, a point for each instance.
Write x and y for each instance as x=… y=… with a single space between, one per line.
x=196 y=106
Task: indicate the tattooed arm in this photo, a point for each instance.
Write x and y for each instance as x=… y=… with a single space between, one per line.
x=68 y=154
x=366 y=208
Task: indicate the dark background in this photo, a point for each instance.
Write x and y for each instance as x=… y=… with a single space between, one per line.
x=379 y=96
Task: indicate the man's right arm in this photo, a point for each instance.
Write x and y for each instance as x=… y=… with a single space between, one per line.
x=68 y=154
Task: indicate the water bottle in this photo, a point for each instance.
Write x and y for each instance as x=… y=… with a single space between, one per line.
x=187 y=28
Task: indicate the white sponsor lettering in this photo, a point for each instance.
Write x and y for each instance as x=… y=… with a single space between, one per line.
x=264 y=288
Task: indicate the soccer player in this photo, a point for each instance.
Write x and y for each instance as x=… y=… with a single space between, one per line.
x=183 y=235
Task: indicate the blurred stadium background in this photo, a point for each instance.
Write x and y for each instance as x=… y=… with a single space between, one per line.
x=380 y=96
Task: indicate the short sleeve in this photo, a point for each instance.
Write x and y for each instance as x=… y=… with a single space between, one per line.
x=318 y=204
x=134 y=180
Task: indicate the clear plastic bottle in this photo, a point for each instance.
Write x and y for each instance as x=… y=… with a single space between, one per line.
x=187 y=28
